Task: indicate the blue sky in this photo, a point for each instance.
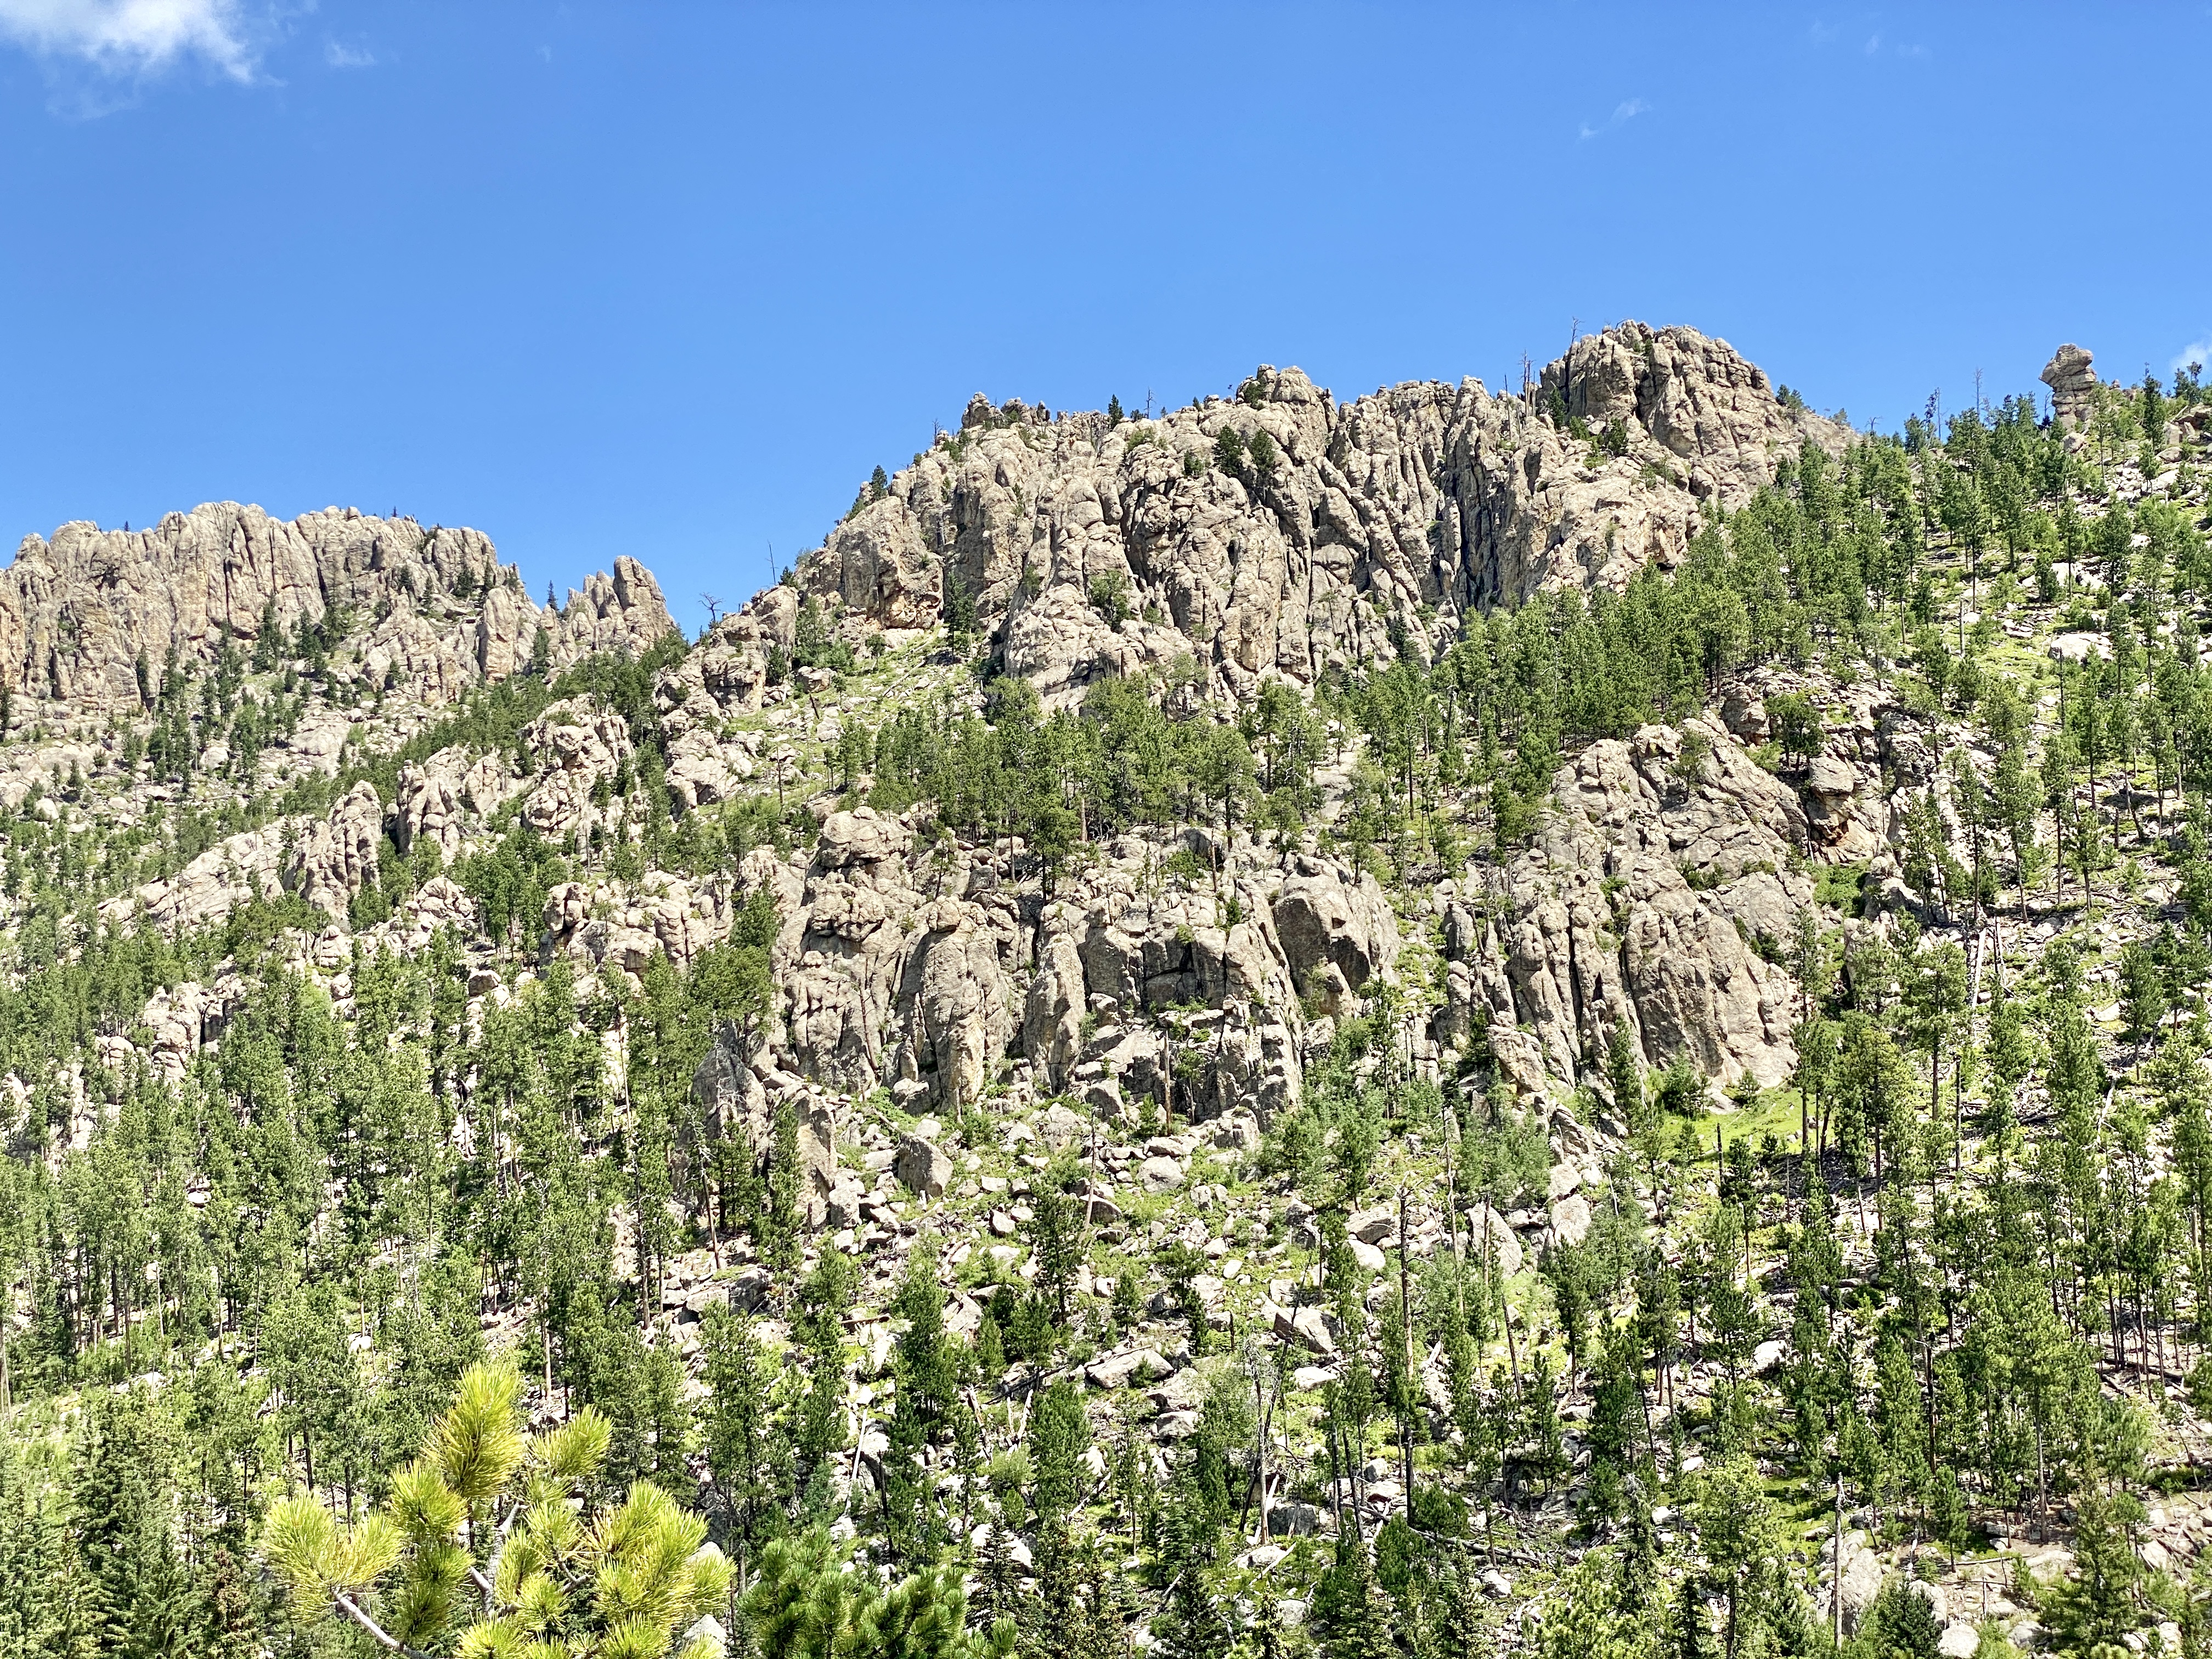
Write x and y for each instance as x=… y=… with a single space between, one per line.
x=668 y=279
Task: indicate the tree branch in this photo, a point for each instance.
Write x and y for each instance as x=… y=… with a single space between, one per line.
x=378 y=1634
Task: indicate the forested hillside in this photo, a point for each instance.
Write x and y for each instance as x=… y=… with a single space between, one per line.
x=1568 y=1021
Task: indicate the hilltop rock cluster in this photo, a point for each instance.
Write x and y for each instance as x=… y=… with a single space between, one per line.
x=86 y=615
x=1335 y=529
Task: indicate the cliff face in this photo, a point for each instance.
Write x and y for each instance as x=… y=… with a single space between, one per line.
x=78 y=610
x=1282 y=532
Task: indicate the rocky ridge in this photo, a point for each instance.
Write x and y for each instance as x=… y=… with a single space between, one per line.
x=86 y=615
x=1282 y=533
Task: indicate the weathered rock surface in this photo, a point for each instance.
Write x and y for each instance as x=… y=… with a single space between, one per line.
x=1858 y=1583
x=1352 y=518
x=81 y=612
x=441 y=799
x=1654 y=877
x=2073 y=385
x=1337 y=931
x=337 y=856
x=923 y=1167
x=739 y=1092
x=575 y=751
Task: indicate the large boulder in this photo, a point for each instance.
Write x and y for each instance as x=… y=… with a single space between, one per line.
x=923 y=1167
x=1327 y=916
x=1859 y=1580
x=862 y=837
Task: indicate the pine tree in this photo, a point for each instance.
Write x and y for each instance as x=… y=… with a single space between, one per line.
x=999 y=1593
x=1456 y=1620
x=1900 y=1624
x=2096 y=1610
x=1055 y=1609
x=570 y=1571
x=1350 y=1608
x=40 y=1576
x=921 y=1415
x=154 y=1609
x=1689 y=1636
x=745 y=1446
x=1190 y=1623
x=1060 y=1434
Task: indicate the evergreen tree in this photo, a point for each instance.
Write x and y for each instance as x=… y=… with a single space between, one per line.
x=1899 y=1624
x=2097 y=1610
x=1351 y=1610
x=1191 y=1624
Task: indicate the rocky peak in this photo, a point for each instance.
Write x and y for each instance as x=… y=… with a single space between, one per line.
x=1677 y=399
x=80 y=609
x=1281 y=530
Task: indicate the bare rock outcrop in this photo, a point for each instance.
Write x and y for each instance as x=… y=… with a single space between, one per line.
x=1659 y=886
x=336 y=857
x=886 y=979
x=575 y=750
x=1281 y=532
x=958 y=1020
x=82 y=610
x=1337 y=930
x=182 y=1019
x=211 y=884
x=623 y=611
x=1052 y=1015
x=440 y=798
x=1159 y=949
x=703 y=770
x=2073 y=385
x=739 y=1092
x=843 y=952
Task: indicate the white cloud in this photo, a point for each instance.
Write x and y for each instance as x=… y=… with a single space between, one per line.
x=133 y=36
x=2198 y=351
x=1877 y=48
x=1622 y=113
x=340 y=56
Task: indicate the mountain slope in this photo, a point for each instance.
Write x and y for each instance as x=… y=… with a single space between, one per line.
x=1495 y=1022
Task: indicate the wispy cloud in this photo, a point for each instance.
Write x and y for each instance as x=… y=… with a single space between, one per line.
x=2198 y=351
x=1622 y=114
x=134 y=37
x=340 y=56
